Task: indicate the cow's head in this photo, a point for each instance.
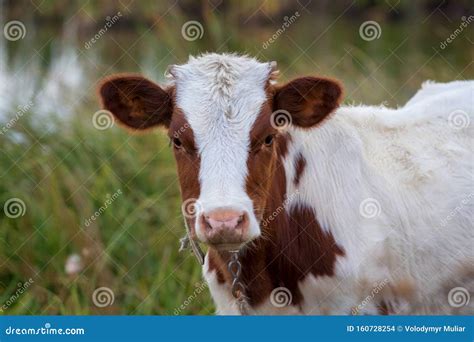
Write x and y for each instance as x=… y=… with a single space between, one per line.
x=218 y=113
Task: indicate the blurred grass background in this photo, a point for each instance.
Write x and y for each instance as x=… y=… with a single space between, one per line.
x=64 y=169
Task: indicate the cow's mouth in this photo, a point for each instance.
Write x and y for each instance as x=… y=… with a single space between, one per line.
x=228 y=247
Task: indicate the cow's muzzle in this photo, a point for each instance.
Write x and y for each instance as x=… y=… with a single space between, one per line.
x=224 y=228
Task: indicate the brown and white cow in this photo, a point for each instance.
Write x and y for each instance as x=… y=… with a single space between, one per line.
x=337 y=211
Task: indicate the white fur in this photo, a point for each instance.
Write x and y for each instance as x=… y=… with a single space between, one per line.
x=412 y=162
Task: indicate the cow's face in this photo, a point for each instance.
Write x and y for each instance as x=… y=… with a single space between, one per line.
x=223 y=116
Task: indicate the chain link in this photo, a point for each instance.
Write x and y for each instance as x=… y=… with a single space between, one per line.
x=238 y=290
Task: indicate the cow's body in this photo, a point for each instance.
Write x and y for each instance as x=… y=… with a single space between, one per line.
x=394 y=187
x=350 y=210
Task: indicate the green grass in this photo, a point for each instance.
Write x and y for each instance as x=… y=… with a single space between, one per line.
x=63 y=177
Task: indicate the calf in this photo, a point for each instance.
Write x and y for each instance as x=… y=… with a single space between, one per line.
x=350 y=210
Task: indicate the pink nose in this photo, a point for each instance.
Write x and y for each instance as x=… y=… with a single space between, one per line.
x=226 y=218
x=225 y=226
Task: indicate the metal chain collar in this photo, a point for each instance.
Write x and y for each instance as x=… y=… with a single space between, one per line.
x=238 y=290
x=234 y=266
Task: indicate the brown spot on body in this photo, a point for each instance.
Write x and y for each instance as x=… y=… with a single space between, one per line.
x=300 y=165
x=216 y=264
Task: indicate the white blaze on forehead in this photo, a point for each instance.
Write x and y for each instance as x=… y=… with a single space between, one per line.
x=221 y=97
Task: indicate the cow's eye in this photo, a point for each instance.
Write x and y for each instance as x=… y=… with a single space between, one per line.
x=177 y=143
x=269 y=140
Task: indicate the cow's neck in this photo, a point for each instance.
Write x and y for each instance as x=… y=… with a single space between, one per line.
x=292 y=245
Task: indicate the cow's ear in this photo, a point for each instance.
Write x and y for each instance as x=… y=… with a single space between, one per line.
x=309 y=100
x=136 y=102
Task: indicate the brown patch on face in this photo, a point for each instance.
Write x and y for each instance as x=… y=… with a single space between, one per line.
x=300 y=165
x=187 y=161
x=261 y=160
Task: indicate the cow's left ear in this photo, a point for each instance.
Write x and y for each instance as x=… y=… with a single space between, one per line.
x=309 y=100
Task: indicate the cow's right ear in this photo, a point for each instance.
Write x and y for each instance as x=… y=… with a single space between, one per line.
x=136 y=102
